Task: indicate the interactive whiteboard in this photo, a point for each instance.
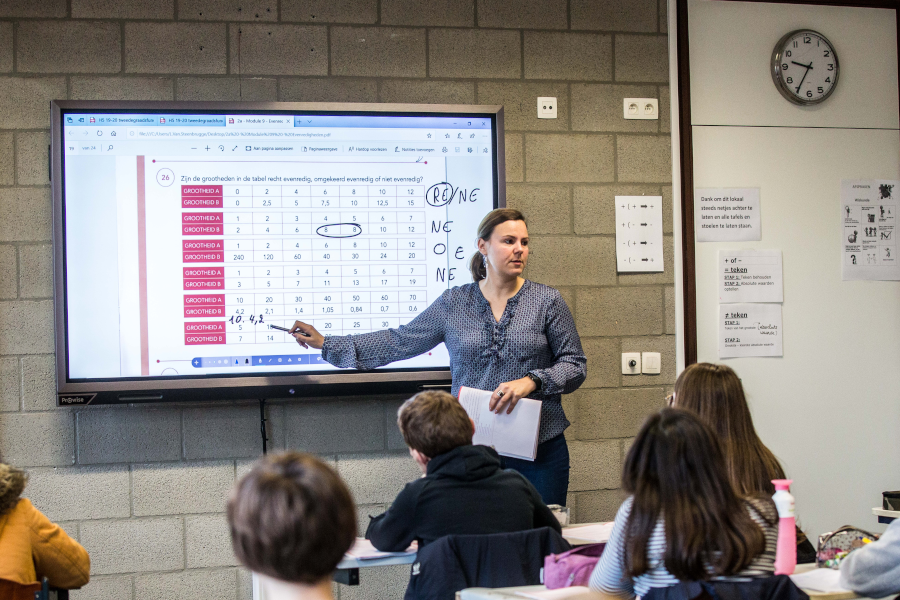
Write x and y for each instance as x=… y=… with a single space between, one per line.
x=183 y=233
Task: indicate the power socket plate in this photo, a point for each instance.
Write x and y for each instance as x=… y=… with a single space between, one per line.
x=546 y=107
x=641 y=108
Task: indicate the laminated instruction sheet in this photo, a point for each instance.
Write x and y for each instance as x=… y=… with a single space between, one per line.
x=750 y=330
x=727 y=215
x=750 y=276
x=639 y=234
x=868 y=237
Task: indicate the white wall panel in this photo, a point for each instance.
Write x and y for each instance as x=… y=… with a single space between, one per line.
x=731 y=44
x=830 y=407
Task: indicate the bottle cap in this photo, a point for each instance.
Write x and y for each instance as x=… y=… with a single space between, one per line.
x=782 y=484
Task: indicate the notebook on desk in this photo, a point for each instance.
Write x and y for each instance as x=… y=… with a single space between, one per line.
x=363 y=549
x=514 y=435
x=575 y=592
x=593 y=532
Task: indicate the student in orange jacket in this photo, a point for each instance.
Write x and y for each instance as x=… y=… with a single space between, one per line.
x=32 y=546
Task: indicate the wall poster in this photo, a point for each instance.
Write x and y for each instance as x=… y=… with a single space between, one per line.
x=868 y=237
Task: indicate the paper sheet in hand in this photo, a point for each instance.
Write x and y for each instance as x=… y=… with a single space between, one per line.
x=363 y=549
x=514 y=435
x=819 y=580
x=598 y=532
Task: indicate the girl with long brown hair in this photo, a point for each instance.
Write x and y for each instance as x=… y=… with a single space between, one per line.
x=715 y=394
x=683 y=521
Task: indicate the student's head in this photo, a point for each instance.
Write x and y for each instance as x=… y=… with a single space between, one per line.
x=291 y=518
x=12 y=482
x=502 y=244
x=675 y=469
x=715 y=393
x=433 y=423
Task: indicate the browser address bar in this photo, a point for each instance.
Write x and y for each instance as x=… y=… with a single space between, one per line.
x=345 y=134
x=140 y=133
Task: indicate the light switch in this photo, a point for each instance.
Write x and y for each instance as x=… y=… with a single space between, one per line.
x=631 y=363
x=650 y=363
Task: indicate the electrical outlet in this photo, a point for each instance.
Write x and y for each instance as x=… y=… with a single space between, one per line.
x=546 y=107
x=641 y=108
x=631 y=363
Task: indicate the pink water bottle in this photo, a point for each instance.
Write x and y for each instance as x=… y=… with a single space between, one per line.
x=786 y=552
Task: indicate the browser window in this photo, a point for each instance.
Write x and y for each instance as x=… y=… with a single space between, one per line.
x=187 y=236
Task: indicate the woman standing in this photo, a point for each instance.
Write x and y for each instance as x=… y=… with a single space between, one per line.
x=503 y=332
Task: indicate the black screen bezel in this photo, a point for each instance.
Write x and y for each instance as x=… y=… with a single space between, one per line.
x=238 y=386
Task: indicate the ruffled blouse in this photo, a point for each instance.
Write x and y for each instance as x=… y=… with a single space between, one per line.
x=536 y=334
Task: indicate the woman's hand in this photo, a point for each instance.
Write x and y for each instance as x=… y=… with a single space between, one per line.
x=508 y=394
x=307 y=335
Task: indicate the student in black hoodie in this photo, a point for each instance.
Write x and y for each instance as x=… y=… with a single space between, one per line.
x=464 y=491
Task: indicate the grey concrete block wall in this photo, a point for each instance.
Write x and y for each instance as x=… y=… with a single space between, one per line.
x=144 y=487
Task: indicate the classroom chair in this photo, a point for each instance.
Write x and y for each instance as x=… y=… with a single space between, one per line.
x=48 y=592
x=456 y=562
x=776 y=587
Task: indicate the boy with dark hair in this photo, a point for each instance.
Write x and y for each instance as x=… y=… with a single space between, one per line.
x=292 y=519
x=463 y=491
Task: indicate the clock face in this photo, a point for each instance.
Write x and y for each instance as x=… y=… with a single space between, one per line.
x=805 y=67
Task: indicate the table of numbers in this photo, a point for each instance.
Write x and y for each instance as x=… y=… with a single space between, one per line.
x=345 y=258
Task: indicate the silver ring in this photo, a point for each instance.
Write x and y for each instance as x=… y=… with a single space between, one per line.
x=500 y=394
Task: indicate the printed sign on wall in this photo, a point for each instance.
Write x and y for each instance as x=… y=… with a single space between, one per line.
x=726 y=215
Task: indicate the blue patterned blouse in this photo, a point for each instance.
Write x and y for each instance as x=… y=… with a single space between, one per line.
x=536 y=334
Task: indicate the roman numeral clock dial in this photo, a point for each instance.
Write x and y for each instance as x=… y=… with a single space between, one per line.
x=805 y=67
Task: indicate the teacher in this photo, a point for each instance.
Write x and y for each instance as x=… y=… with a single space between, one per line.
x=503 y=332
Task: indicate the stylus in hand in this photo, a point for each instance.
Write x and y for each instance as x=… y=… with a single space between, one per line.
x=287 y=329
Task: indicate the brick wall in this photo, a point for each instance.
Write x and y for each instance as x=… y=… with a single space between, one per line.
x=143 y=488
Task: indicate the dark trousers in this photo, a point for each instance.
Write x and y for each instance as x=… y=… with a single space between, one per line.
x=549 y=472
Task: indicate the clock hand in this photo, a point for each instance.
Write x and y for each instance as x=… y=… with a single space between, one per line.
x=809 y=66
x=804 y=76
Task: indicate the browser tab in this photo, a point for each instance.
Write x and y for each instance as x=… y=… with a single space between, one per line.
x=259 y=121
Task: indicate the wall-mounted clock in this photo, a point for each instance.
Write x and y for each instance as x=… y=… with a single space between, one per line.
x=805 y=67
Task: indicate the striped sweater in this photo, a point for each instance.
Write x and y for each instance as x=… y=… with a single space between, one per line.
x=609 y=575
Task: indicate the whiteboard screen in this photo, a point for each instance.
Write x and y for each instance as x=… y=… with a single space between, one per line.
x=186 y=235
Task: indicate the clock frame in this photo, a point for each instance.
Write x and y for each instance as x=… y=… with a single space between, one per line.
x=780 y=56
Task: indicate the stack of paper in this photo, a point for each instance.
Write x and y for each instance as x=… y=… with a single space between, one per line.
x=819 y=580
x=363 y=549
x=514 y=435
x=567 y=593
x=596 y=532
